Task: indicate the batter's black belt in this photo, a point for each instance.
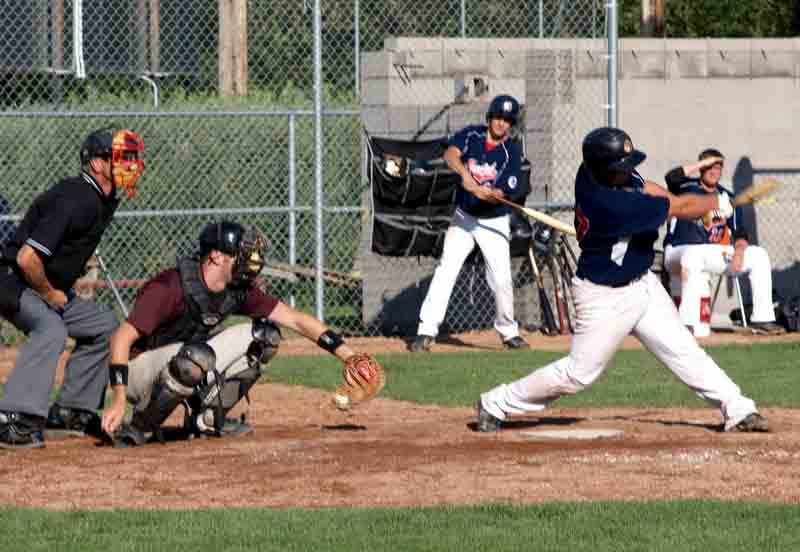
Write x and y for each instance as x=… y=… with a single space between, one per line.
x=629 y=282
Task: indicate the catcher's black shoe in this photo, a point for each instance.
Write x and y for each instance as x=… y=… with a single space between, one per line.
x=766 y=328
x=19 y=430
x=127 y=436
x=62 y=420
x=516 y=342
x=486 y=422
x=422 y=344
x=753 y=422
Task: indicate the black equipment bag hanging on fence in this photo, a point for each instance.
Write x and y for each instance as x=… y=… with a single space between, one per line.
x=413 y=199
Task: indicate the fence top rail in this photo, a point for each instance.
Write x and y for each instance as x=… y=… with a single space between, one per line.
x=176 y=114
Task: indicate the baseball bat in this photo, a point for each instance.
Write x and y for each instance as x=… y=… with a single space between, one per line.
x=756 y=192
x=544 y=218
x=560 y=304
x=547 y=312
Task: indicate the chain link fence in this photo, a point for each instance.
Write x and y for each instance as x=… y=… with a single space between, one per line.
x=222 y=92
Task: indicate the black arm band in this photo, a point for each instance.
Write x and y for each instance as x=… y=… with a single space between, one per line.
x=330 y=341
x=118 y=374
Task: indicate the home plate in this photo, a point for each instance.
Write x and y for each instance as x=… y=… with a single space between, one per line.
x=595 y=433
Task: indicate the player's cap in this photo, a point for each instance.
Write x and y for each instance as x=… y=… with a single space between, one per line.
x=610 y=149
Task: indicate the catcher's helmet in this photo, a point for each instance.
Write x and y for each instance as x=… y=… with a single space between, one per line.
x=223 y=236
x=609 y=149
x=503 y=107
x=247 y=246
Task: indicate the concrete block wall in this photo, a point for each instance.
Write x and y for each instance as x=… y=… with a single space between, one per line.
x=676 y=97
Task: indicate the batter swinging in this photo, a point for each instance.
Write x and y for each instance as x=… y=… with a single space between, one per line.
x=617 y=216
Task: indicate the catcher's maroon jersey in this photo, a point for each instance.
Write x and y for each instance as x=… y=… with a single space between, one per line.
x=161 y=300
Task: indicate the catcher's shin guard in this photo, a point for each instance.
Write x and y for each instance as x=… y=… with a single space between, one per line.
x=175 y=383
x=209 y=406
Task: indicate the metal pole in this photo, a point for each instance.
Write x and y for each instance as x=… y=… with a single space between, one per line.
x=463 y=18
x=357 y=40
x=318 y=179
x=541 y=19
x=292 y=199
x=611 y=31
x=111 y=284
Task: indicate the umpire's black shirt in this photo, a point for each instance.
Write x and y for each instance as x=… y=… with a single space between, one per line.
x=64 y=226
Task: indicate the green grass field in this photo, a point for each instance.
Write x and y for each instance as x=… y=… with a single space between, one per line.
x=766 y=372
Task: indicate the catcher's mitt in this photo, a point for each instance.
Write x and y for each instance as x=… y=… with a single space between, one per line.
x=363 y=379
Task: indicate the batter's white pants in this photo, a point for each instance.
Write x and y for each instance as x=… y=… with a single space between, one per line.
x=605 y=316
x=690 y=267
x=492 y=236
x=230 y=347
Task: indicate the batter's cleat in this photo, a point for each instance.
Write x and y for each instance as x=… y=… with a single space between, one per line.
x=422 y=344
x=21 y=431
x=752 y=423
x=766 y=328
x=231 y=427
x=62 y=420
x=516 y=342
x=486 y=423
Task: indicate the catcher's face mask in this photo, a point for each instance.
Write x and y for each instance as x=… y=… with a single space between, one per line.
x=250 y=257
x=127 y=160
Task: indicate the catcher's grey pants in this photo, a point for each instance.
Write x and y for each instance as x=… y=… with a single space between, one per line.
x=605 y=316
x=86 y=373
x=230 y=347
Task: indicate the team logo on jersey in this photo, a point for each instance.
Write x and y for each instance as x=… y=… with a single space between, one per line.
x=512 y=182
x=482 y=173
x=627 y=146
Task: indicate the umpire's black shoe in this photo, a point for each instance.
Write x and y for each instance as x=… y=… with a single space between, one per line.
x=753 y=422
x=422 y=344
x=486 y=423
x=19 y=430
x=62 y=420
x=516 y=342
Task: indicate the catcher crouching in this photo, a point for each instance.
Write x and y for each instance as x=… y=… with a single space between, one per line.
x=172 y=349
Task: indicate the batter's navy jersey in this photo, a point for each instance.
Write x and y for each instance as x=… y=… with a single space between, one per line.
x=497 y=167
x=692 y=232
x=616 y=229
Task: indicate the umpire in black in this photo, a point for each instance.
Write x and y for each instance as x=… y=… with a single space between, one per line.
x=38 y=267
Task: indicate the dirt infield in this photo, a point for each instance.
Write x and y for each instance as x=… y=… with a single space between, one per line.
x=393 y=453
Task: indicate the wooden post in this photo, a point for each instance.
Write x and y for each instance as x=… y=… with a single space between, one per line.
x=233 y=47
x=652 y=22
x=155 y=36
x=57 y=8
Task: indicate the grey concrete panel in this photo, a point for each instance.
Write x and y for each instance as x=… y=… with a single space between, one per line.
x=591 y=63
x=643 y=64
x=374 y=120
x=773 y=63
x=381 y=64
x=399 y=43
x=457 y=60
x=506 y=63
x=424 y=63
x=403 y=119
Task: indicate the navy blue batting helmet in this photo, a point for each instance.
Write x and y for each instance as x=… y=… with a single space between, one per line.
x=607 y=149
x=503 y=107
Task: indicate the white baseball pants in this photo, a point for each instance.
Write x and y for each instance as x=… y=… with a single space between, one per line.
x=605 y=316
x=230 y=347
x=493 y=236
x=690 y=267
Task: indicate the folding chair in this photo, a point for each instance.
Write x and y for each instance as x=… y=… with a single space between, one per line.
x=738 y=289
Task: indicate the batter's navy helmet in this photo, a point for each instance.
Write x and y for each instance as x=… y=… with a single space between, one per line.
x=608 y=149
x=503 y=107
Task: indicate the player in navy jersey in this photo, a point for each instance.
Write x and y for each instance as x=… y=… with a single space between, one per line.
x=695 y=249
x=488 y=161
x=617 y=216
